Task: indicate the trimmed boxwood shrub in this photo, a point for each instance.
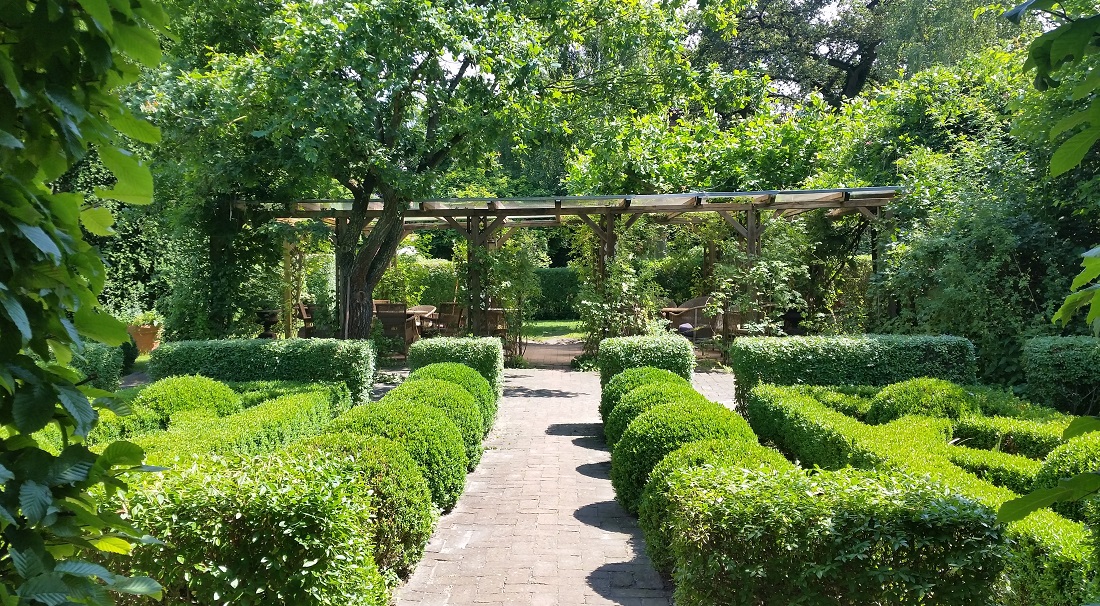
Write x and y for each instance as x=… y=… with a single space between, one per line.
x=431 y=438
x=485 y=355
x=661 y=430
x=1014 y=436
x=1079 y=455
x=130 y=354
x=403 y=512
x=1050 y=560
x=655 y=507
x=101 y=365
x=336 y=360
x=743 y=537
x=559 y=289
x=457 y=403
x=469 y=379
x=923 y=396
x=1064 y=372
x=642 y=399
x=277 y=530
x=854 y=360
x=189 y=392
x=668 y=351
x=1013 y=472
x=257 y=392
x=627 y=380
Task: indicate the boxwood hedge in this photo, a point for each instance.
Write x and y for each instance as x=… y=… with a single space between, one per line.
x=1079 y=455
x=753 y=536
x=1064 y=372
x=627 y=380
x=470 y=380
x=1014 y=436
x=642 y=399
x=922 y=396
x=431 y=438
x=403 y=512
x=457 y=403
x=101 y=365
x=275 y=530
x=485 y=355
x=331 y=360
x=189 y=392
x=1049 y=561
x=661 y=430
x=668 y=351
x=655 y=506
x=1010 y=471
x=852 y=360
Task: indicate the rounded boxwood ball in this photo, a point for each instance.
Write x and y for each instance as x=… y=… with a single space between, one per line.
x=430 y=438
x=655 y=506
x=188 y=392
x=659 y=431
x=456 y=402
x=1079 y=455
x=642 y=399
x=631 y=378
x=403 y=512
x=923 y=396
x=470 y=380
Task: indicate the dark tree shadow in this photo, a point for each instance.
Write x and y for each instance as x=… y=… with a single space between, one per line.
x=518 y=391
x=631 y=582
x=591 y=443
x=600 y=471
x=575 y=429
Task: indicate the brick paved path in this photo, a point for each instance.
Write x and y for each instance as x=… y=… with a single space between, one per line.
x=538 y=523
x=716 y=386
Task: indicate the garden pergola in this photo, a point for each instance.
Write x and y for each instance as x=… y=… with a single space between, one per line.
x=488 y=222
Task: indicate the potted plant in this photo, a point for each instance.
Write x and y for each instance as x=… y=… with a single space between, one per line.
x=145 y=329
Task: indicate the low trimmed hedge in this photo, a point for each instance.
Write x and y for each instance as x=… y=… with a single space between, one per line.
x=431 y=438
x=743 y=537
x=1050 y=559
x=1064 y=372
x=457 y=403
x=1013 y=436
x=1079 y=455
x=853 y=360
x=403 y=512
x=661 y=430
x=485 y=355
x=258 y=392
x=642 y=399
x=470 y=380
x=329 y=360
x=922 y=396
x=189 y=392
x=655 y=506
x=101 y=365
x=277 y=530
x=1010 y=471
x=257 y=430
x=631 y=378
x=668 y=351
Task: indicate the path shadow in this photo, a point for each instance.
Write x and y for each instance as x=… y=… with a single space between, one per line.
x=599 y=471
x=606 y=515
x=632 y=582
x=518 y=391
x=591 y=443
x=575 y=429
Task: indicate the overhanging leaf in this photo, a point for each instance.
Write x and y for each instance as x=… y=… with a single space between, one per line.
x=1070 y=153
x=50 y=589
x=135 y=182
x=33 y=407
x=112 y=545
x=1069 y=489
x=1017 y=13
x=81 y=568
x=98 y=221
x=35 y=500
x=121 y=453
x=79 y=408
x=135 y=128
x=100 y=326
x=1081 y=426
x=138 y=586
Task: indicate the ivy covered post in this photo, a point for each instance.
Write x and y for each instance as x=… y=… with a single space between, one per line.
x=62 y=63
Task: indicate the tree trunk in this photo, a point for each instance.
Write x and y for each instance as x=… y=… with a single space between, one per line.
x=361 y=267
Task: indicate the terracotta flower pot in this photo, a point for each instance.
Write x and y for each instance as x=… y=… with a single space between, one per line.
x=147 y=336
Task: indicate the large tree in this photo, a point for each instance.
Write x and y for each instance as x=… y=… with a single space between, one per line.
x=378 y=98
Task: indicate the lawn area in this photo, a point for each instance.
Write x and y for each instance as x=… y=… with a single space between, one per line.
x=545 y=330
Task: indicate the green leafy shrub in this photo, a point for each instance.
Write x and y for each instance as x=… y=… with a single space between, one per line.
x=642 y=399
x=1049 y=561
x=258 y=430
x=469 y=379
x=655 y=506
x=306 y=524
x=457 y=403
x=346 y=361
x=851 y=404
x=923 y=396
x=661 y=430
x=1079 y=455
x=101 y=365
x=188 y=392
x=559 y=289
x=1014 y=436
x=668 y=351
x=1011 y=471
x=403 y=513
x=856 y=360
x=1064 y=372
x=485 y=355
x=129 y=355
x=432 y=440
x=627 y=380
x=258 y=392
x=851 y=537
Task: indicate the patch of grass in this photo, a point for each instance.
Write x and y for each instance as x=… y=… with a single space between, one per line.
x=544 y=330
x=141 y=364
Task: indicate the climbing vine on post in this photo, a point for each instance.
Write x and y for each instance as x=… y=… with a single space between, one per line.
x=62 y=63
